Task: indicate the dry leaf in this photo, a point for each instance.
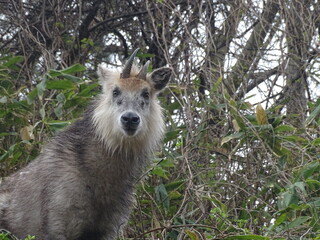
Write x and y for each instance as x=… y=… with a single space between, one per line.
x=27 y=133
x=261 y=115
x=235 y=125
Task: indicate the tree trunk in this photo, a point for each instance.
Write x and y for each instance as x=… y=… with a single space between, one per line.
x=299 y=32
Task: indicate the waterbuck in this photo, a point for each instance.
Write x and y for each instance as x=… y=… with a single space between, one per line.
x=81 y=186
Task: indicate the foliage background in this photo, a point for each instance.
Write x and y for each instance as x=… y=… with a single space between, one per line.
x=240 y=159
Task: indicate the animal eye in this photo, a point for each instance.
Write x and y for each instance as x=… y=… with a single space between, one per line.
x=115 y=92
x=146 y=95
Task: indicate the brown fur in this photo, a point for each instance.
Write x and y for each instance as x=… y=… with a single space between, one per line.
x=133 y=84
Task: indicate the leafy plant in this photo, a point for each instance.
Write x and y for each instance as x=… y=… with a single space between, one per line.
x=5 y=235
x=237 y=172
x=30 y=115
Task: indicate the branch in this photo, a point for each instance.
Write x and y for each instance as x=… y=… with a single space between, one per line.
x=253 y=45
x=129 y=15
x=84 y=31
x=175 y=226
x=219 y=40
x=257 y=78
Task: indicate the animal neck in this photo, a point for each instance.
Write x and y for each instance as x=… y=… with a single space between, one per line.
x=125 y=163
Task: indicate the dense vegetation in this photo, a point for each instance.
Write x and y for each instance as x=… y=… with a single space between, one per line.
x=241 y=156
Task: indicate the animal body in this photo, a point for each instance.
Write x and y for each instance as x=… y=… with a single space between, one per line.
x=81 y=186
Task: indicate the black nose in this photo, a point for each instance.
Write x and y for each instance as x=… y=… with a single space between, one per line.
x=130 y=120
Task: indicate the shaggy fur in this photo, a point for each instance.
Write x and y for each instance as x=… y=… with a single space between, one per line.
x=81 y=186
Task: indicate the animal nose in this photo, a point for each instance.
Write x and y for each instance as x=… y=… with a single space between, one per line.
x=130 y=119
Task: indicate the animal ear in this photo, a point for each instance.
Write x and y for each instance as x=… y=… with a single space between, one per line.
x=103 y=73
x=106 y=76
x=160 y=77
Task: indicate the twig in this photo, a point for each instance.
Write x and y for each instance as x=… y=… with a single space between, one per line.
x=168 y=228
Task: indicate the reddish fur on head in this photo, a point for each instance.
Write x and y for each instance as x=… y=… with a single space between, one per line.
x=133 y=84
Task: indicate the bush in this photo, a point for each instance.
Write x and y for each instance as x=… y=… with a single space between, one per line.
x=227 y=169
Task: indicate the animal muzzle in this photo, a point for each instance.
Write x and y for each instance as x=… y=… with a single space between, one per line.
x=130 y=122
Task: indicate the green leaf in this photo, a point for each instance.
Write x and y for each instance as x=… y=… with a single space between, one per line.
x=170 y=135
x=247 y=237
x=61 y=98
x=42 y=112
x=174 y=195
x=313 y=115
x=3 y=134
x=6 y=85
x=159 y=171
x=316 y=142
x=218 y=204
x=12 y=61
x=4 y=156
x=298 y=222
x=308 y=170
x=265 y=127
x=293 y=138
x=174 y=185
x=280 y=219
x=58 y=110
x=85 y=90
x=231 y=137
x=287 y=198
x=74 y=69
x=57 y=125
x=66 y=73
x=284 y=128
x=217 y=83
x=72 y=78
x=235 y=114
x=86 y=41
x=162 y=195
x=54 y=73
x=60 y=84
x=145 y=55
x=315 y=203
x=301 y=186
x=41 y=87
x=32 y=96
x=314 y=184
x=192 y=235
x=173 y=106
x=167 y=163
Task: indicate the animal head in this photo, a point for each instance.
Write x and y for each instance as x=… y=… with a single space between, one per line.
x=128 y=109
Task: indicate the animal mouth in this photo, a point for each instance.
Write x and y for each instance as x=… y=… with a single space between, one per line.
x=130 y=130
